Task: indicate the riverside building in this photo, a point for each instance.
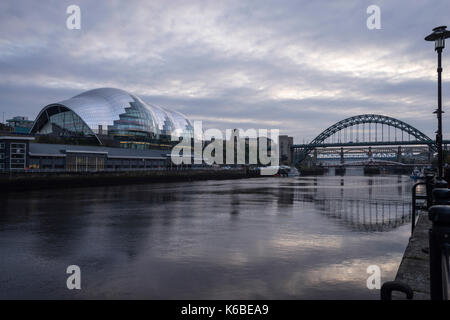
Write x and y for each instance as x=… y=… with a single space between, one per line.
x=103 y=129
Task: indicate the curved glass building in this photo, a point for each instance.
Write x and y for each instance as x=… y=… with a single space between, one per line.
x=111 y=114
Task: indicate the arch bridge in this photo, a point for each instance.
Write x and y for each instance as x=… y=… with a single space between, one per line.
x=366 y=130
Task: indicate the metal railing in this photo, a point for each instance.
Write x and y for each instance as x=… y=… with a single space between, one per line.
x=439 y=239
x=438 y=205
x=414 y=204
x=428 y=197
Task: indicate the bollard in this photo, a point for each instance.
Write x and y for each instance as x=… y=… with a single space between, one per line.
x=447 y=175
x=439 y=240
x=440 y=183
x=441 y=196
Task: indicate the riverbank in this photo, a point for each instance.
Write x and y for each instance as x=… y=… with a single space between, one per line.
x=414 y=269
x=313 y=171
x=32 y=181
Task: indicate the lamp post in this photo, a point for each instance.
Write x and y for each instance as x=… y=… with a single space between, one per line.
x=439 y=35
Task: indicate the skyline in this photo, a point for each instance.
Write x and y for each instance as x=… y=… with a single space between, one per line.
x=299 y=66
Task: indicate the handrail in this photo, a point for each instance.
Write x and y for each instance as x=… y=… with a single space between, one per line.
x=389 y=286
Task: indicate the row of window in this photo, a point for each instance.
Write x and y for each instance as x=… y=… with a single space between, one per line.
x=18 y=145
x=85 y=163
x=14 y=146
x=17 y=155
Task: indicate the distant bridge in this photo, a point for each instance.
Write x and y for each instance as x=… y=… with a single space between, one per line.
x=365 y=130
x=431 y=143
x=375 y=163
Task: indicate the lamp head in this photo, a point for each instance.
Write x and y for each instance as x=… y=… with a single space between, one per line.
x=438 y=35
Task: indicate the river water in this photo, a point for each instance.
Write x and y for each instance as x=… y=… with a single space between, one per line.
x=260 y=238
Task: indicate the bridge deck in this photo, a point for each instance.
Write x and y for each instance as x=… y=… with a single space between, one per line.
x=368 y=144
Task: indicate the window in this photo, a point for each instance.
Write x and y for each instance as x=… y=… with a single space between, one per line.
x=17 y=155
x=100 y=164
x=2 y=156
x=2 y=146
x=71 y=163
x=81 y=163
x=91 y=163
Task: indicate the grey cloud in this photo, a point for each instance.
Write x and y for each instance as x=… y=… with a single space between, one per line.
x=225 y=60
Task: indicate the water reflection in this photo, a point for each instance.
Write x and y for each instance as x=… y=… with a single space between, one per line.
x=293 y=238
x=374 y=208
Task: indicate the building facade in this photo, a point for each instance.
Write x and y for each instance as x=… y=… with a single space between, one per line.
x=14 y=153
x=20 y=124
x=111 y=117
x=19 y=154
x=285 y=144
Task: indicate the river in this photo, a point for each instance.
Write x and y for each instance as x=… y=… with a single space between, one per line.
x=260 y=238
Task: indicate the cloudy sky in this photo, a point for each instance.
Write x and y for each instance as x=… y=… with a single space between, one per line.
x=299 y=66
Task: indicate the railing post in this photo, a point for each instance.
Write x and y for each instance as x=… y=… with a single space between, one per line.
x=413 y=213
x=413 y=205
x=429 y=189
x=439 y=239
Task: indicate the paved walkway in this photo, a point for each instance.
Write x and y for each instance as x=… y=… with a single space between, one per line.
x=414 y=269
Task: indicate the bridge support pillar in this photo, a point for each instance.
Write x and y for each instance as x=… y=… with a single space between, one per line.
x=342 y=155
x=399 y=154
x=430 y=154
x=315 y=156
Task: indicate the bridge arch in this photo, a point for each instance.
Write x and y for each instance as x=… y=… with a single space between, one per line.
x=363 y=119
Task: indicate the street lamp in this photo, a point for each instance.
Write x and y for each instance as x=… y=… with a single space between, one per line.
x=439 y=35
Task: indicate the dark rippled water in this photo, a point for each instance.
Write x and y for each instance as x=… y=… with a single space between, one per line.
x=268 y=238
